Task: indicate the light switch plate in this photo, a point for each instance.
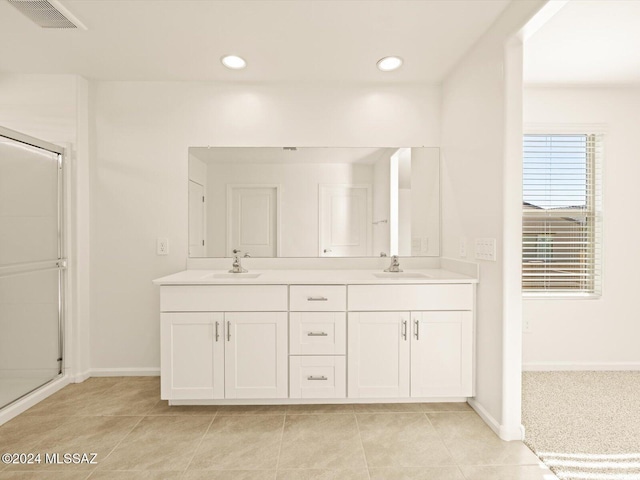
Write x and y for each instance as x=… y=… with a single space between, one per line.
x=486 y=249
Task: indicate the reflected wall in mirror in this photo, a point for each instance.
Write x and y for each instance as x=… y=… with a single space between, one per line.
x=314 y=202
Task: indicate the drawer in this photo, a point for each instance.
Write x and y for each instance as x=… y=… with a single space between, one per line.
x=223 y=298
x=364 y=298
x=318 y=298
x=317 y=333
x=317 y=377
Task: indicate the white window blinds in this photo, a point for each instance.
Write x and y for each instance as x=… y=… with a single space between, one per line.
x=561 y=233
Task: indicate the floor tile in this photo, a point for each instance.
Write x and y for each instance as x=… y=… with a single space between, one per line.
x=228 y=410
x=43 y=475
x=240 y=442
x=318 y=409
x=413 y=473
x=129 y=397
x=72 y=399
x=321 y=442
x=22 y=433
x=162 y=408
x=82 y=435
x=401 y=440
x=529 y=472
x=229 y=475
x=387 y=407
x=134 y=475
x=158 y=443
x=322 y=474
x=146 y=379
x=446 y=407
x=472 y=442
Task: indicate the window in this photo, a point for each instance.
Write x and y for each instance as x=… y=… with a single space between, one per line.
x=561 y=244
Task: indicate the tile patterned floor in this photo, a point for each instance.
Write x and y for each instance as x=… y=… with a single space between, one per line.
x=138 y=437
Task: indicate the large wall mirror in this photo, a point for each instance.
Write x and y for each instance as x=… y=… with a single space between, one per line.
x=314 y=202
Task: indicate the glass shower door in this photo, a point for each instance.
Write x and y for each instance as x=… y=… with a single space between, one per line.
x=31 y=264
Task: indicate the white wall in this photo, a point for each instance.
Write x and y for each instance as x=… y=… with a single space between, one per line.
x=603 y=333
x=299 y=190
x=475 y=120
x=55 y=108
x=139 y=172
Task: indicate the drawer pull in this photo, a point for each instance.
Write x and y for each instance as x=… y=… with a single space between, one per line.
x=404 y=329
x=317 y=334
x=416 y=330
x=217 y=333
x=311 y=377
x=317 y=299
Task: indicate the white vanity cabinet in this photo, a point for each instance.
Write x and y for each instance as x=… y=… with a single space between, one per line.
x=229 y=354
x=300 y=342
x=422 y=348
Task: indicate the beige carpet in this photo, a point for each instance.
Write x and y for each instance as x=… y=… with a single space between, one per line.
x=584 y=425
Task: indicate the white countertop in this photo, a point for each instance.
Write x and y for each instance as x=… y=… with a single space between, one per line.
x=313 y=277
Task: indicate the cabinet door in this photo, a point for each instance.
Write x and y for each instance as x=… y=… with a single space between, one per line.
x=441 y=354
x=378 y=355
x=256 y=355
x=192 y=357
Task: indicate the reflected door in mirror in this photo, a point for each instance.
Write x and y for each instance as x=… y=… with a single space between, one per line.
x=252 y=220
x=196 y=219
x=345 y=220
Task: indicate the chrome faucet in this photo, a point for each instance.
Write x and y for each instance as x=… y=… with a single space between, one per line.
x=237 y=266
x=395 y=265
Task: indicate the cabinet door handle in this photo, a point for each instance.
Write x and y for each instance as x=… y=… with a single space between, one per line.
x=416 y=329
x=228 y=331
x=317 y=299
x=311 y=377
x=404 y=329
x=317 y=334
x=217 y=333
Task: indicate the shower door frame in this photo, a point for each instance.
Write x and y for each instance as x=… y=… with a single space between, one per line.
x=60 y=264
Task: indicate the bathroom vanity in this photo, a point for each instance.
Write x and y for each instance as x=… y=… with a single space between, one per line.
x=316 y=336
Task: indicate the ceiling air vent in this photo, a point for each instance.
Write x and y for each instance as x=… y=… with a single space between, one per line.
x=47 y=13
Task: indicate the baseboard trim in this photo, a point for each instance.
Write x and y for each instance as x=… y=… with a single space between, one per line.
x=80 y=377
x=28 y=401
x=579 y=366
x=124 y=372
x=505 y=432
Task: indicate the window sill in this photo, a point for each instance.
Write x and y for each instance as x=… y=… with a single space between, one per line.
x=561 y=296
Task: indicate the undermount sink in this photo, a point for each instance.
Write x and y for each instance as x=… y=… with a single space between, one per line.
x=233 y=275
x=400 y=275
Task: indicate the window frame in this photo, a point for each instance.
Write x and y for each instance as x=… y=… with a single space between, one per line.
x=596 y=290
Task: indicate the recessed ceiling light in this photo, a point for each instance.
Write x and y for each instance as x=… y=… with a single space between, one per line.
x=388 y=64
x=234 y=62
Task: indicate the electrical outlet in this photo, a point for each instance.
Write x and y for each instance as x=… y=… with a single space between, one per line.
x=486 y=249
x=162 y=246
x=463 y=247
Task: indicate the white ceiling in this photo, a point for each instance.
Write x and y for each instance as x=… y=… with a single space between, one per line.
x=303 y=40
x=587 y=42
